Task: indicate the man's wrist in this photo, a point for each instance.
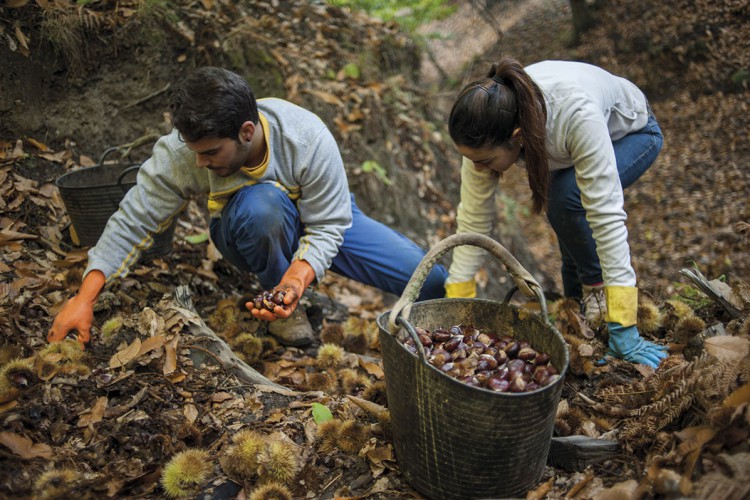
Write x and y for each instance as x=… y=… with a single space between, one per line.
x=92 y=286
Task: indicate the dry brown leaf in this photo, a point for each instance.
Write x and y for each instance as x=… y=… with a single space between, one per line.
x=627 y=490
x=190 y=412
x=738 y=397
x=220 y=397
x=170 y=355
x=326 y=97
x=727 y=347
x=126 y=355
x=151 y=344
x=372 y=368
x=14 y=4
x=95 y=414
x=8 y=235
x=37 y=144
x=25 y=447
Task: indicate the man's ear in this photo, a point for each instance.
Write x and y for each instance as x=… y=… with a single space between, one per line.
x=247 y=130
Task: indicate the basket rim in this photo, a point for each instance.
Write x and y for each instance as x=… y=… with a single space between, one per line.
x=534 y=317
x=59 y=182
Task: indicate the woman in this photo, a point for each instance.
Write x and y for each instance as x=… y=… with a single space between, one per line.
x=583 y=135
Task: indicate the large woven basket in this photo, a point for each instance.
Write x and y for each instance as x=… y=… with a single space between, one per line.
x=92 y=195
x=452 y=440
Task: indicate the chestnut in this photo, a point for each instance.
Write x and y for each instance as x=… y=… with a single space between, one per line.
x=542 y=358
x=501 y=357
x=512 y=349
x=527 y=354
x=484 y=339
x=497 y=384
x=425 y=340
x=550 y=380
x=278 y=298
x=486 y=362
x=439 y=357
x=451 y=344
x=518 y=384
x=440 y=335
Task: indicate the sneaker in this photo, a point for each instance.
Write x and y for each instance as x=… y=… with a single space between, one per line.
x=294 y=331
x=594 y=305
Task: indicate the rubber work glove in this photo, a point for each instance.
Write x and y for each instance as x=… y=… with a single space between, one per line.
x=78 y=312
x=626 y=343
x=465 y=290
x=294 y=282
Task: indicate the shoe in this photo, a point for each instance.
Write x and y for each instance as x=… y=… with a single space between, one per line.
x=594 y=305
x=294 y=331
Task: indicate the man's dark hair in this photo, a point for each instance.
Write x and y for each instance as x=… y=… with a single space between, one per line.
x=212 y=102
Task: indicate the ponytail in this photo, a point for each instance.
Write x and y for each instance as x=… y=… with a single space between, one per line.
x=487 y=112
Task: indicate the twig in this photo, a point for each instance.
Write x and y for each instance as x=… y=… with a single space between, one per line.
x=127 y=148
x=146 y=98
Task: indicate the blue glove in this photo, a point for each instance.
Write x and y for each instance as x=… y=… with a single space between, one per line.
x=626 y=343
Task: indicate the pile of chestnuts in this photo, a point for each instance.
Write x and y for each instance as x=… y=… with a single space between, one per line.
x=268 y=300
x=499 y=363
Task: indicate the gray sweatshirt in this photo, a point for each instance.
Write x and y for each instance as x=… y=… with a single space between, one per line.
x=303 y=160
x=587 y=109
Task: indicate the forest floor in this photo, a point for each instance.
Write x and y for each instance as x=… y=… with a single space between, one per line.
x=107 y=421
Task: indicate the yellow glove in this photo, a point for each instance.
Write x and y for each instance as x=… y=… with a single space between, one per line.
x=622 y=305
x=463 y=290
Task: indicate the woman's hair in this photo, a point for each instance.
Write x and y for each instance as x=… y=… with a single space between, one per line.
x=488 y=110
x=212 y=102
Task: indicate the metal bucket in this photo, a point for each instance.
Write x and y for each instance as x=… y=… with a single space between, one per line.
x=452 y=440
x=92 y=195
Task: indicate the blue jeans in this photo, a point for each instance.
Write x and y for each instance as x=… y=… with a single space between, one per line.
x=259 y=231
x=580 y=263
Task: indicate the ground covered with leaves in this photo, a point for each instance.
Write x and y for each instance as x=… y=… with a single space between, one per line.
x=151 y=406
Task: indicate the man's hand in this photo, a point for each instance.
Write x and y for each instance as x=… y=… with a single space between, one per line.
x=78 y=313
x=294 y=282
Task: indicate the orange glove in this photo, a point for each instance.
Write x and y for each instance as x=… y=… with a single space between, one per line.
x=294 y=282
x=78 y=313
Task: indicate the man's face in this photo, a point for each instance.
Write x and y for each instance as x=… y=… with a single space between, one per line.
x=223 y=157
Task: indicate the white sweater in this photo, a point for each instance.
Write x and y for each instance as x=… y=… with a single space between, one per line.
x=587 y=109
x=303 y=160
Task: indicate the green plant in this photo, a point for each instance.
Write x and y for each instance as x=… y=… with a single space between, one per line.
x=373 y=167
x=410 y=14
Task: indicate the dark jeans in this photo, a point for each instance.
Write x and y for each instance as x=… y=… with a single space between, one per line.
x=259 y=232
x=580 y=263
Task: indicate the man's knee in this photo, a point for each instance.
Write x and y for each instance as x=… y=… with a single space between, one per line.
x=434 y=284
x=258 y=207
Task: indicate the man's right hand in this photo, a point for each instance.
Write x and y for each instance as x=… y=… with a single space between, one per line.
x=78 y=313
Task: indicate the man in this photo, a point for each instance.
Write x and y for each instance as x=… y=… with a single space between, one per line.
x=279 y=200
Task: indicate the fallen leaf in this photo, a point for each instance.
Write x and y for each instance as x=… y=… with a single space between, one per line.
x=220 y=397
x=25 y=447
x=170 y=356
x=190 y=412
x=95 y=414
x=727 y=347
x=374 y=369
x=151 y=344
x=126 y=355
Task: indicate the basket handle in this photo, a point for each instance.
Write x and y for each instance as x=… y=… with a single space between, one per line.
x=106 y=153
x=523 y=279
x=126 y=172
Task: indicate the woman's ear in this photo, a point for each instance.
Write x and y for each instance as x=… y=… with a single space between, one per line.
x=517 y=136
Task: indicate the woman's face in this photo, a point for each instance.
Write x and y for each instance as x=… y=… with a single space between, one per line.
x=497 y=158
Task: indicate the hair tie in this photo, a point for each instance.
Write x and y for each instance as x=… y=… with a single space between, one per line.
x=500 y=80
